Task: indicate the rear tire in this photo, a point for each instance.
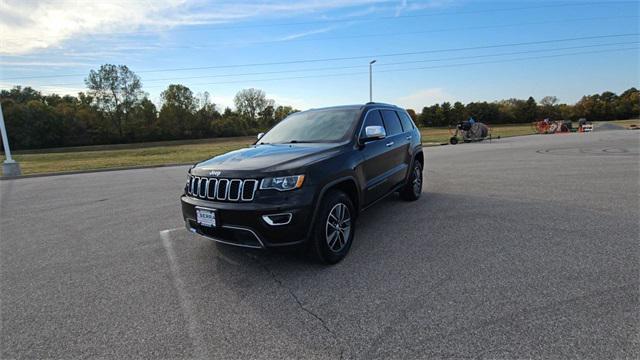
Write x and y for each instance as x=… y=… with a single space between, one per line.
x=412 y=190
x=334 y=228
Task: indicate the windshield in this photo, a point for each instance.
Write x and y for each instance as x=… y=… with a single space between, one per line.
x=315 y=126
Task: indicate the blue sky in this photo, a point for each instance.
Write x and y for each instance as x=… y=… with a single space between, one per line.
x=44 y=40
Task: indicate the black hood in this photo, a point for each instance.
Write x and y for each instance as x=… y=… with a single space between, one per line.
x=268 y=157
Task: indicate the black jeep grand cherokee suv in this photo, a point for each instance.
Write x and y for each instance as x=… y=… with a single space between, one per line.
x=307 y=179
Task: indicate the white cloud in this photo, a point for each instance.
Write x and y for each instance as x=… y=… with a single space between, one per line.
x=43 y=63
x=422 y=98
x=306 y=33
x=47 y=89
x=407 y=6
x=222 y=101
x=295 y=103
x=31 y=25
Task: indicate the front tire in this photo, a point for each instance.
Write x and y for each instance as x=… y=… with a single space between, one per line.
x=413 y=188
x=334 y=228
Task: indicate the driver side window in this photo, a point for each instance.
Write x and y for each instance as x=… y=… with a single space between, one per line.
x=373 y=119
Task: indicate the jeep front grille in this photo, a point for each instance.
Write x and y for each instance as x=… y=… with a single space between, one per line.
x=210 y=188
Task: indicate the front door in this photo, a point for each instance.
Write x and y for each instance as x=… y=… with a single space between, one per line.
x=378 y=162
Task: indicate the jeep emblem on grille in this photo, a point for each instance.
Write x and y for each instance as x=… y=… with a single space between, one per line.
x=215 y=173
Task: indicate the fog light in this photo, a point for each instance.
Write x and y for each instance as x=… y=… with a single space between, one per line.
x=277 y=219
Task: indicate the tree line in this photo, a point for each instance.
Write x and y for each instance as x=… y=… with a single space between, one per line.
x=598 y=107
x=115 y=109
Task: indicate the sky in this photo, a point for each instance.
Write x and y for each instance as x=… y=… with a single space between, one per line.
x=316 y=53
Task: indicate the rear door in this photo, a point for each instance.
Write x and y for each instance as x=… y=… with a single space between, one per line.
x=378 y=161
x=397 y=144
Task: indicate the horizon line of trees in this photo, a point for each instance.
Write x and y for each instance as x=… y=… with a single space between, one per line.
x=115 y=109
x=600 y=107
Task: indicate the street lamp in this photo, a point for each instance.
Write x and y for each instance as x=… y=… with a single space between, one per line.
x=371 y=80
x=9 y=166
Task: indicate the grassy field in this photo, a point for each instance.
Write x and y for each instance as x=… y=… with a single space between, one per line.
x=105 y=158
x=442 y=135
x=191 y=151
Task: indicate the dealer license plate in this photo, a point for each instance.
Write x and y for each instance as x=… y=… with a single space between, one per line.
x=206 y=217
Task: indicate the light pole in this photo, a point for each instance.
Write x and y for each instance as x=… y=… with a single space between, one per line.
x=9 y=166
x=371 y=80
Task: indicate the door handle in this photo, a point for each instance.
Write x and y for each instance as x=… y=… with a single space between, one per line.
x=390 y=143
x=409 y=137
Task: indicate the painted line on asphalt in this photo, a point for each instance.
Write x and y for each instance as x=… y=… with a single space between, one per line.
x=185 y=301
x=226 y=259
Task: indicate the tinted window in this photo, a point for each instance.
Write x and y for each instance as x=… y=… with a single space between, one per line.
x=331 y=125
x=391 y=122
x=373 y=119
x=407 y=124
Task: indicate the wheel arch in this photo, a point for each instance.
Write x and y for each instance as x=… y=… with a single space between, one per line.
x=419 y=156
x=348 y=185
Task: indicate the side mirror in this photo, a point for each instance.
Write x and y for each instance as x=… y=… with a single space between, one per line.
x=260 y=135
x=373 y=133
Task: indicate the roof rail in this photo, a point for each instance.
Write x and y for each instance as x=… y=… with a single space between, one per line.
x=379 y=103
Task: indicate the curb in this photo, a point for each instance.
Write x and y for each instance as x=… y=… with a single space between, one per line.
x=92 y=171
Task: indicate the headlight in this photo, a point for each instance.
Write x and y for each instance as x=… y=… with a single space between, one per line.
x=282 y=183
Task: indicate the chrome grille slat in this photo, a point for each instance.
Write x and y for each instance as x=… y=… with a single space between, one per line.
x=203 y=187
x=254 y=186
x=196 y=186
x=231 y=192
x=211 y=190
x=222 y=189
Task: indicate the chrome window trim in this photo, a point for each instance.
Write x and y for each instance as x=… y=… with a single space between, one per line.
x=364 y=120
x=239 y=189
x=253 y=193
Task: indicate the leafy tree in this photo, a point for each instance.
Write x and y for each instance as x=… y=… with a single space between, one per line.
x=413 y=115
x=251 y=102
x=144 y=122
x=457 y=113
x=115 y=90
x=205 y=116
x=548 y=101
x=21 y=94
x=35 y=120
x=176 y=118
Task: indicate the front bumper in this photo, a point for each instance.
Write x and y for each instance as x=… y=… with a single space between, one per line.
x=241 y=224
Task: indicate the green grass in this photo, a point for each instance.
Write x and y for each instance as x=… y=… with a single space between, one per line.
x=57 y=162
x=442 y=135
x=187 y=151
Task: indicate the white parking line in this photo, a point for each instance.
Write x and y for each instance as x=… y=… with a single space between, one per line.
x=185 y=301
x=232 y=262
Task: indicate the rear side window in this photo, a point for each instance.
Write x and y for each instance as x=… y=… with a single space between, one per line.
x=407 y=124
x=373 y=119
x=391 y=122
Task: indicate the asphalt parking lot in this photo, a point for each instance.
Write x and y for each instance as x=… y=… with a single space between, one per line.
x=526 y=247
